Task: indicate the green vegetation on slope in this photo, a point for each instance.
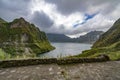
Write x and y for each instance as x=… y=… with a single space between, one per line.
x=3 y=55
x=109 y=37
x=20 y=38
x=112 y=51
x=108 y=43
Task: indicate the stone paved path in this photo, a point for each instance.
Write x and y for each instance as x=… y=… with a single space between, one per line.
x=86 y=71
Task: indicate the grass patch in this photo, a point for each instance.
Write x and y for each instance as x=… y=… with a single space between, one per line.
x=112 y=51
x=4 y=55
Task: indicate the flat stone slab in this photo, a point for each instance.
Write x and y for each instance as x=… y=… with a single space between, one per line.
x=84 y=71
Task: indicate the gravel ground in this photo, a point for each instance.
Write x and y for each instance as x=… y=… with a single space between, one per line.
x=86 y=71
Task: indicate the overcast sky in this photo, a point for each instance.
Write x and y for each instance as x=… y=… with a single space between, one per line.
x=70 y=17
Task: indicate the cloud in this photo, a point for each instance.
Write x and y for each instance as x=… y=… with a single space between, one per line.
x=42 y=20
x=71 y=6
x=10 y=9
x=87 y=17
x=68 y=12
x=70 y=17
x=99 y=22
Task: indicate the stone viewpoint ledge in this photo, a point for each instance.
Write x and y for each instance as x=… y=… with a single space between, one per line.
x=27 y=62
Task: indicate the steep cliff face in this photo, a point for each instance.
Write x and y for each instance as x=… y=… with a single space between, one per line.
x=20 y=37
x=110 y=37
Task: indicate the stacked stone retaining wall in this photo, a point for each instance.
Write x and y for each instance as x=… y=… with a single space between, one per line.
x=26 y=62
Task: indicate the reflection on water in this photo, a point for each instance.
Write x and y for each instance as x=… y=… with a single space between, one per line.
x=66 y=49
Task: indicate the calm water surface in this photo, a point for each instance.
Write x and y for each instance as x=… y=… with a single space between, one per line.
x=66 y=49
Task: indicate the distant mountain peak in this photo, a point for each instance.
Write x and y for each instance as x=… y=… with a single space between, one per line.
x=90 y=37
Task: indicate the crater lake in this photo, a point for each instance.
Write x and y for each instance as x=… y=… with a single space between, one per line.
x=66 y=49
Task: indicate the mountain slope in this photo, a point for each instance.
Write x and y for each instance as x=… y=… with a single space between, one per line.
x=90 y=37
x=110 y=37
x=108 y=44
x=58 y=37
x=20 y=37
x=2 y=21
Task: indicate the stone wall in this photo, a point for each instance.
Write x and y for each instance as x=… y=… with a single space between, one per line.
x=100 y=58
x=26 y=62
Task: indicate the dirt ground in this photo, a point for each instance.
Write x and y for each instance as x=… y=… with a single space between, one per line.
x=85 y=71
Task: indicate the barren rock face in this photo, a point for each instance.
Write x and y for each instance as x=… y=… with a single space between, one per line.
x=24 y=37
